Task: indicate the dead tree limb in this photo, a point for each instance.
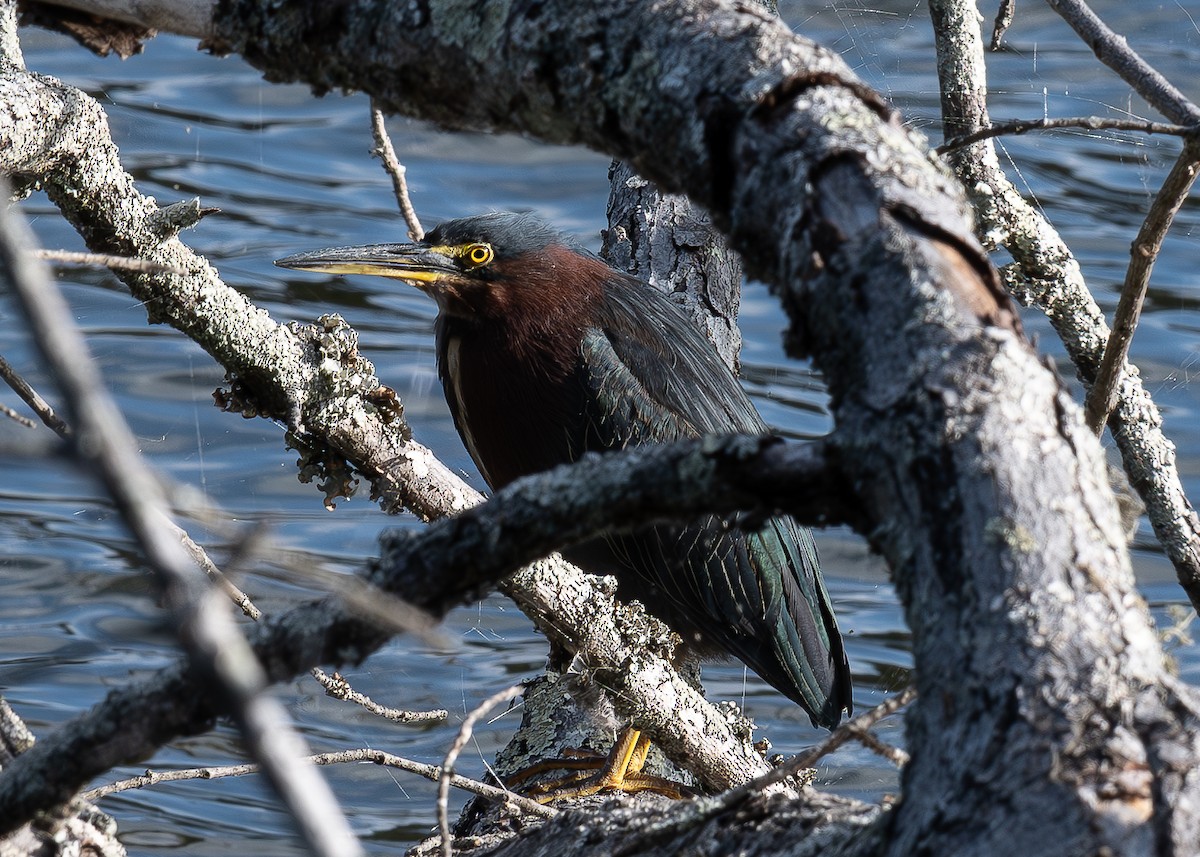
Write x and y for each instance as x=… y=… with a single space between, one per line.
x=1045 y=723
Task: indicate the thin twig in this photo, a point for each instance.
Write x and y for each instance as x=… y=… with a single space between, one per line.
x=460 y=741
x=119 y=263
x=1113 y=50
x=1088 y=123
x=30 y=396
x=197 y=552
x=17 y=418
x=1102 y=398
x=337 y=687
x=851 y=729
x=232 y=591
x=386 y=153
x=879 y=747
x=366 y=754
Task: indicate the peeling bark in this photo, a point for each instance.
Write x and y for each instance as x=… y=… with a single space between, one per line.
x=1045 y=722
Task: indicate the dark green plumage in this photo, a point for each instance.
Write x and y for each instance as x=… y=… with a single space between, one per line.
x=546 y=353
x=755 y=593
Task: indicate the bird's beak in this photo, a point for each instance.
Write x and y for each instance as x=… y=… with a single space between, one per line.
x=418 y=264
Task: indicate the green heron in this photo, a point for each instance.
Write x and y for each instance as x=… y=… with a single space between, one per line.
x=545 y=353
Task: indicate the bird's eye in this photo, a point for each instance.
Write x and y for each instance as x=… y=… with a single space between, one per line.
x=479 y=254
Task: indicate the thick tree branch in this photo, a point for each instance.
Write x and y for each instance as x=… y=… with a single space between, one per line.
x=1043 y=713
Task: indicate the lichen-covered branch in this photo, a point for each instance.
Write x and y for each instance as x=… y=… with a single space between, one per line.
x=1045 y=273
x=1045 y=722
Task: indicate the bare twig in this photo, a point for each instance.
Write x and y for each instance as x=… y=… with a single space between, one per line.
x=460 y=741
x=1088 y=123
x=30 y=396
x=232 y=591
x=337 y=687
x=1113 y=50
x=854 y=728
x=386 y=153
x=1102 y=398
x=120 y=263
x=206 y=631
x=17 y=418
x=879 y=747
x=366 y=754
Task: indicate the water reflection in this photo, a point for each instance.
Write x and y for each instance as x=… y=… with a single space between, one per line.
x=289 y=173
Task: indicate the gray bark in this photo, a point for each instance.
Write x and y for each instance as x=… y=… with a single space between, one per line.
x=77 y=829
x=668 y=242
x=1045 y=723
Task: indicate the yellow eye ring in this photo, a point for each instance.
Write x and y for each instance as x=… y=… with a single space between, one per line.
x=479 y=254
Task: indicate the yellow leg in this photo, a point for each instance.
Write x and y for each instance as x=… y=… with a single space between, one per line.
x=622 y=770
x=625 y=760
x=637 y=758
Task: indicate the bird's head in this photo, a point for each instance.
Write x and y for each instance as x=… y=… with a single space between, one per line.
x=497 y=266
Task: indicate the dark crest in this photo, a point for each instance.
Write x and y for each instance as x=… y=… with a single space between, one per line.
x=509 y=234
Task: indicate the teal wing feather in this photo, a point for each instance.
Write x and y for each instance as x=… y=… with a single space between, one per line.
x=754 y=591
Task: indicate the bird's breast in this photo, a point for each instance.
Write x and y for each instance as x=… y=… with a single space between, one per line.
x=518 y=411
x=452 y=381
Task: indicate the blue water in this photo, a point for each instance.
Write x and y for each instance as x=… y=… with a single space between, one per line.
x=290 y=172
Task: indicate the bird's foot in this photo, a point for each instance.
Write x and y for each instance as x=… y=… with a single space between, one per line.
x=620 y=770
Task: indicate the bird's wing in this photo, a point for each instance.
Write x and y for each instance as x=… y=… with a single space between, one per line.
x=754 y=590
x=639 y=334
